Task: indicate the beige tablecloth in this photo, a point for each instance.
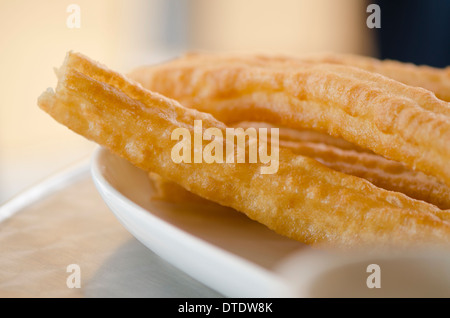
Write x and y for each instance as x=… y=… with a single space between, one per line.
x=74 y=226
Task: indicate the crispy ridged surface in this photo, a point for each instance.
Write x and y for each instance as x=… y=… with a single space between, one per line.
x=436 y=80
x=309 y=135
x=304 y=200
x=433 y=79
x=400 y=122
x=345 y=157
x=383 y=173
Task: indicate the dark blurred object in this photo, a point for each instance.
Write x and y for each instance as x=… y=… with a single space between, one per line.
x=416 y=31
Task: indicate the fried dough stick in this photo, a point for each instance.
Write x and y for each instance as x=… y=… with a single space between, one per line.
x=383 y=173
x=436 y=80
x=347 y=158
x=402 y=123
x=304 y=200
x=302 y=135
x=433 y=79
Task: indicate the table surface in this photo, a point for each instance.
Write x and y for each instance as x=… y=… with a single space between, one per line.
x=73 y=225
x=67 y=222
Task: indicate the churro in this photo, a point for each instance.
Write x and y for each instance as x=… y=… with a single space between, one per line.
x=304 y=200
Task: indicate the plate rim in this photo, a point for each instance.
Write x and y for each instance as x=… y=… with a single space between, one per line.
x=270 y=284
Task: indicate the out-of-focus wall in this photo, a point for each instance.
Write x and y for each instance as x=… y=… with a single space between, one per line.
x=34 y=39
x=284 y=26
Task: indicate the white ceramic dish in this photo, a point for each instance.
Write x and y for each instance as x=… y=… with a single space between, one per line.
x=238 y=257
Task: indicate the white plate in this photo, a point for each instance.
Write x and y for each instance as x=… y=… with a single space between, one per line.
x=238 y=257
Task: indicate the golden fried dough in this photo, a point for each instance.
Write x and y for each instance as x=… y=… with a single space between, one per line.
x=431 y=78
x=308 y=135
x=304 y=200
x=402 y=123
x=383 y=173
x=166 y=190
x=434 y=79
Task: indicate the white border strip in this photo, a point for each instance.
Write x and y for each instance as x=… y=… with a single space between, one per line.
x=44 y=188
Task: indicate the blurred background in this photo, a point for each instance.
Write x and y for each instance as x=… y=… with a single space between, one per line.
x=124 y=34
